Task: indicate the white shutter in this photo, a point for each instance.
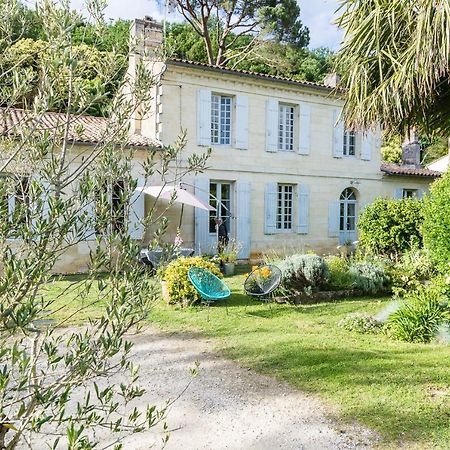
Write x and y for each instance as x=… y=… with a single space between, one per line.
x=272 y=125
x=398 y=193
x=202 y=241
x=88 y=211
x=304 y=128
x=137 y=212
x=203 y=117
x=338 y=135
x=366 y=146
x=46 y=195
x=333 y=218
x=303 y=209
x=242 y=122
x=270 y=208
x=243 y=213
x=419 y=193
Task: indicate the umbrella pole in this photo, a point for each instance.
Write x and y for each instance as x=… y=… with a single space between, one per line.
x=181 y=215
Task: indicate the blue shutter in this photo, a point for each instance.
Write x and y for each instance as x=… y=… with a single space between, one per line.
x=204 y=117
x=270 y=208
x=304 y=129
x=333 y=218
x=242 y=122
x=338 y=135
x=243 y=217
x=202 y=240
x=419 y=193
x=398 y=193
x=136 y=212
x=366 y=146
x=303 y=209
x=272 y=125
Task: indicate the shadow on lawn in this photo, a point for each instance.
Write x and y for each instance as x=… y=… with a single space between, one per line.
x=350 y=374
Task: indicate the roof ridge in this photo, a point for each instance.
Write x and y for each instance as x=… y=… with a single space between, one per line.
x=251 y=73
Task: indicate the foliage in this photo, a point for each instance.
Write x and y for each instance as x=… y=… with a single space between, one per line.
x=389 y=227
x=56 y=200
x=391 y=150
x=231 y=30
x=369 y=277
x=272 y=58
x=340 y=276
x=96 y=75
x=420 y=316
x=410 y=271
x=303 y=272
x=361 y=323
x=179 y=286
x=436 y=223
x=230 y=253
x=397 y=64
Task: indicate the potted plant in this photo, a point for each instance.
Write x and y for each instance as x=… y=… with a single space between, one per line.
x=228 y=258
x=347 y=249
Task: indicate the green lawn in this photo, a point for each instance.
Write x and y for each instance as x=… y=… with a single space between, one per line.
x=400 y=390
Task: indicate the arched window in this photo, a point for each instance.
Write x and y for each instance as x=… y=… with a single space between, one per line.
x=347 y=219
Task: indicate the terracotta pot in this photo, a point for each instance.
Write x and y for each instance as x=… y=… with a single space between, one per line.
x=165 y=291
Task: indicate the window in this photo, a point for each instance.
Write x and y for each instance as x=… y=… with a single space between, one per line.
x=285 y=128
x=349 y=143
x=220 y=198
x=409 y=193
x=284 y=207
x=347 y=210
x=110 y=207
x=221 y=119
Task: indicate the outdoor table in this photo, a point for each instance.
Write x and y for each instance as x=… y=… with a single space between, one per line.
x=155 y=256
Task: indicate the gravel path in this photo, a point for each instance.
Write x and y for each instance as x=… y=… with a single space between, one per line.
x=227 y=406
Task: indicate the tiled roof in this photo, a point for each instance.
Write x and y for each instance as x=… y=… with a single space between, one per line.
x=82 y=129
x=396 y=169
x=184 y=62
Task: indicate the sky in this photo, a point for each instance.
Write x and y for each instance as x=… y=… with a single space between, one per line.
x=315 y=14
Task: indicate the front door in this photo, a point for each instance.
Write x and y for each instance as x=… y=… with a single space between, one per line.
x=347 y=219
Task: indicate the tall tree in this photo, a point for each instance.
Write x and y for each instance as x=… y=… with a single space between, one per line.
x=397 y=55
x=222 y=23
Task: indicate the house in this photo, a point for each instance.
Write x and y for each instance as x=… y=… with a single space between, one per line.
x=284 y=173
x=440 y=165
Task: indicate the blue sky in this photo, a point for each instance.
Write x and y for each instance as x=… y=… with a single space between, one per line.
x=316 y=14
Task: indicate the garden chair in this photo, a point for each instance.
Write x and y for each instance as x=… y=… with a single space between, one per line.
x=262 y=282
x=210 y=287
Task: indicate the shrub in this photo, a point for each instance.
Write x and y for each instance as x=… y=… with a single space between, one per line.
x=176 y=274
x=303 y=272
x=389 y=226
x=339 y=273
x=369 y=278
x=412 y=270
x=361 y=323
x=420 y=316
x=436 y=224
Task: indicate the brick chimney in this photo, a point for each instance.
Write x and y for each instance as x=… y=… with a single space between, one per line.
x=146 y=36
x=411 y=150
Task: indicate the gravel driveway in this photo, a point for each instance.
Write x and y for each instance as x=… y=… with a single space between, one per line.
x=227 y=406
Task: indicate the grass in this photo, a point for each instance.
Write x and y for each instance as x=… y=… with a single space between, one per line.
x=400 y=390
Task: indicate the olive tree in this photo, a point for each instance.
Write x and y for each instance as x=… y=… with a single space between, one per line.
x=55 y=383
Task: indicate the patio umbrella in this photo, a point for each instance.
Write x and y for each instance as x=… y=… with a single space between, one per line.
x=178 y=194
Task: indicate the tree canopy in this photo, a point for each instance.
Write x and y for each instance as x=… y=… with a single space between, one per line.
x=397 y=59
x=222 y=23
